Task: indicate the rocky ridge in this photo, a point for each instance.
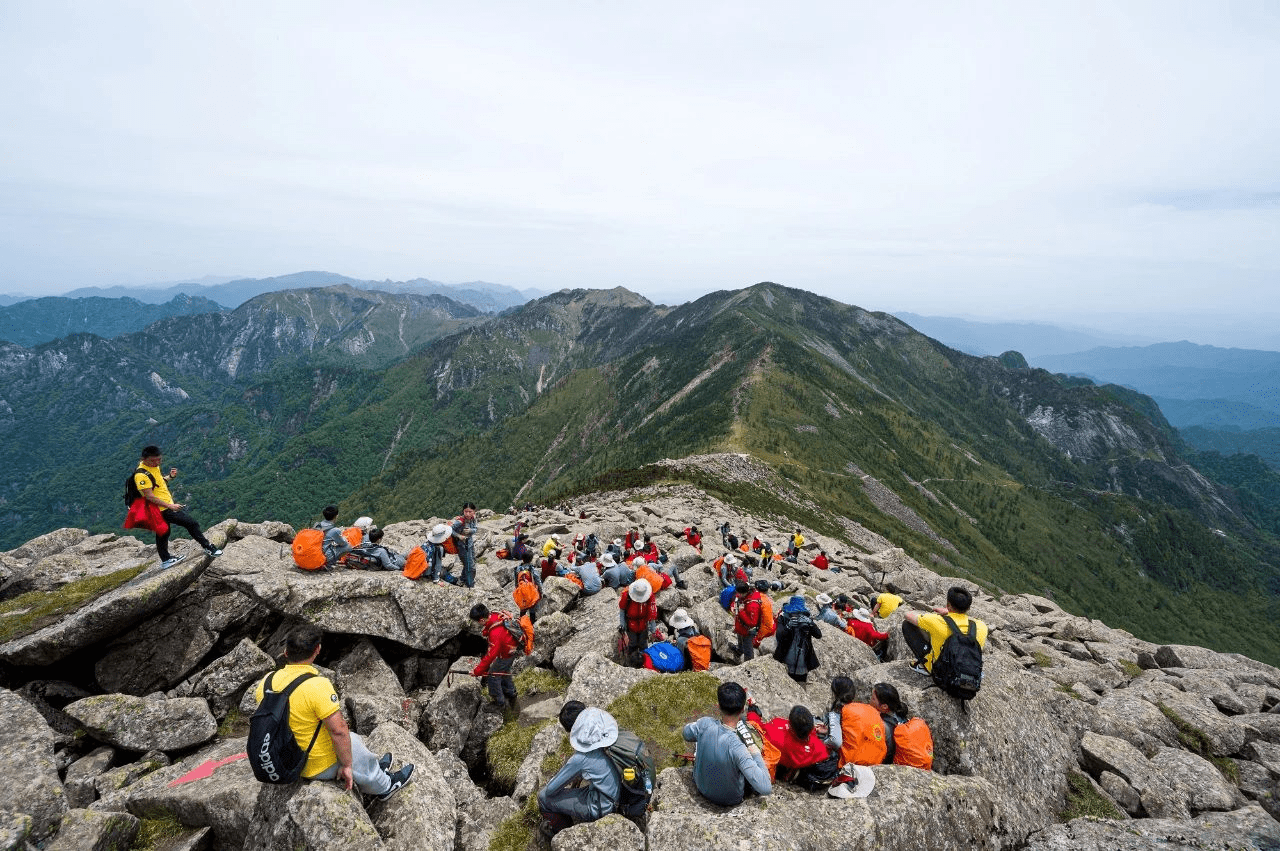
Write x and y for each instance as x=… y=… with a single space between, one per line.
x=109 y=715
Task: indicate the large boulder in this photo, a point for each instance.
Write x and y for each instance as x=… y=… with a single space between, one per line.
x=145 y=723
x=449 y=714
x=422 y=814
x=310 y=817
x=224 y=680
x=613 y=832
x=31 y=784
x=104 y=617
x=80 y=781
x=1158 y=797
x=598 y=682
x=356 y=602
x=371 y=691
x=222 y=800
x=158 y=653
x=1246 y=829
x=87 y=830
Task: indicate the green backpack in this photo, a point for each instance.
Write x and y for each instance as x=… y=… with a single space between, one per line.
x=636 y=773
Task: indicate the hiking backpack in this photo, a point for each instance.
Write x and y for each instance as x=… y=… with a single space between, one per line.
x=699 y=647
x=359 y=559
x=958 y=668
x=636 y=773
x=308 y=549
x=415 y=564
x=664 y=657
x=131 y=492
x=354 y=535
x=521 y=631
x=768 y=626
x=913 y=744
x=273 y=751
x=526 y=594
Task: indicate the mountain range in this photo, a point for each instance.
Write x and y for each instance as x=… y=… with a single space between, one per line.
x=403 y=406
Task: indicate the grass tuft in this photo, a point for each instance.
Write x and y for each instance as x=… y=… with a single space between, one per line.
x=532 y=681
x=517 y=832
x=1084 y=800
x=1131 y=669
x=506 y=750
x=657 y=708
x=155 y=832
x=1042 y=659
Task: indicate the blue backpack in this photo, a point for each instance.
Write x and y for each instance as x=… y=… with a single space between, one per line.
x=726 y=597
x=665 y=657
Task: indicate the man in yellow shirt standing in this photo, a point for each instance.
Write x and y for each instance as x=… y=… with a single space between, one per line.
x=926 y=633
x=315 y=713
x=152 y=485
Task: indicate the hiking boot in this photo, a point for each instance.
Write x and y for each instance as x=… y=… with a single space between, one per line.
x=385 y=762
x=170 y=562
x=398 y=780
x=212 y=552
x=681 y=584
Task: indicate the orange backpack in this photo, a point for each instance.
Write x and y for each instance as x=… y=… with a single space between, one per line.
x=308 y=549
x=354 y=535
x=767 y=624
x=575 y=579
x=699 y=647
x=768 y=749
x=913 y=744
x=415 y=563
x=520 y=629
x=862 y=730
x=525 y=594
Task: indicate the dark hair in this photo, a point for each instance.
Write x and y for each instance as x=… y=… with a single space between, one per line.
x=742 y=587
x=570 y=712
x=887 y=694
x=731 y=698
x=762 y=585
x=526 y=557
x=148 y=451
x=843 y=693
x=959 y=599
x=479 y=612
x=467 y=505
x=801 y=721
x=842 y=601
x=301 y=642
x=375 y=534
x=330 y=512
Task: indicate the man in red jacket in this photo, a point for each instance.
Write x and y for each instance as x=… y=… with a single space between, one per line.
x=746 y=619
x=864 y=629
x=495 y=667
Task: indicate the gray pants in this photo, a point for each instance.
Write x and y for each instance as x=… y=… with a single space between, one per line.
x=501 y=688
x=582 y=804
x=369 y=776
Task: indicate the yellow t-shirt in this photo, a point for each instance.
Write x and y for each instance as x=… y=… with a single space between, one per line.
x=312 y=702
x=939 y=632
x=160 y=488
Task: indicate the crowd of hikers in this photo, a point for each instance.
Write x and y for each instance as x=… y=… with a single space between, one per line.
x=742 y=751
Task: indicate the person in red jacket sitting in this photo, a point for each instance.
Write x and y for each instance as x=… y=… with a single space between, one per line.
x=820 y=561
x=693 y=538
x=495 y=667
x=796 y=741
x=746 y=619
x=636 y=611
x=864 y=629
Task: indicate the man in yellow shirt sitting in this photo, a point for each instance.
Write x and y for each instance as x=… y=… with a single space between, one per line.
x=926 y=633
x=315 y=713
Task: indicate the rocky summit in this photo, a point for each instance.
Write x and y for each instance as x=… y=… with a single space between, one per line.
x=127 y=691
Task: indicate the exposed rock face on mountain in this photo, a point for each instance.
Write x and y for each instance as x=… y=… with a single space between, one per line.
x=1173 y=746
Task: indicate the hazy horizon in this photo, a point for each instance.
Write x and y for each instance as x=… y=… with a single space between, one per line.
x=1071 y=164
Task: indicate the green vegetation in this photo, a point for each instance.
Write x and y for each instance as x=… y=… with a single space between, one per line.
x=517 y=832
x=532 y=681
x=1042 y=659
x=1131 y=669
x=29 y=612
x=657 y=708
x=235 y=724
x=153 y=833
x=1193 y=739
x=1084 y=800
x=506 y=749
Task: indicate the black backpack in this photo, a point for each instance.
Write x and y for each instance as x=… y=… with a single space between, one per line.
x=273 y=751
x=131 y=492
x=636 y=773
x=958 y=668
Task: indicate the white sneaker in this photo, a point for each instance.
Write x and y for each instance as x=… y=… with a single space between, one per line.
x=170 y=562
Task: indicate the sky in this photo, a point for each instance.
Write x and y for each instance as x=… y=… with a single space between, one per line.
x=1078 y=162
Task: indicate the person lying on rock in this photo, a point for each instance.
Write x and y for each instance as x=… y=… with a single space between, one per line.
x=591 y=731
x=386 y=558
x=727 y=759
x=315 y=711
x=495 y=667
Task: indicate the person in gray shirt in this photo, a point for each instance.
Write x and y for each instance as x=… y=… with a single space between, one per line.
x=589 y=572
x=615 y=575
x=334 y=542
x=591 y=731
x=725 y=762
x=386 y=558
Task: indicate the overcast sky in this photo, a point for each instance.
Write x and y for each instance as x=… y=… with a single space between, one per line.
x=1016 y=160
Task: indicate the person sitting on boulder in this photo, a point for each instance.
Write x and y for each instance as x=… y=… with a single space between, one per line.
x=334 y=544
x=551 y=543
x=796 y=631
x=550 y=564
x=883 y=605
x=821 y=561
x=591 y=731
x=728 y=759
x=798 y=745
x=615 y=575
x=495 y=667
x=637 y=612
x=588 y=572
x=386 y=559
x=746 y=619
x=693 y=538
x=631 y=543
x=433 y=547
x=520 y=545
x=615 y=549
x=826 y=614
x=909 y=739
x=731 y=571
x=926 y=633
x=853 y=728
x=864 y=629
x=591 y=546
